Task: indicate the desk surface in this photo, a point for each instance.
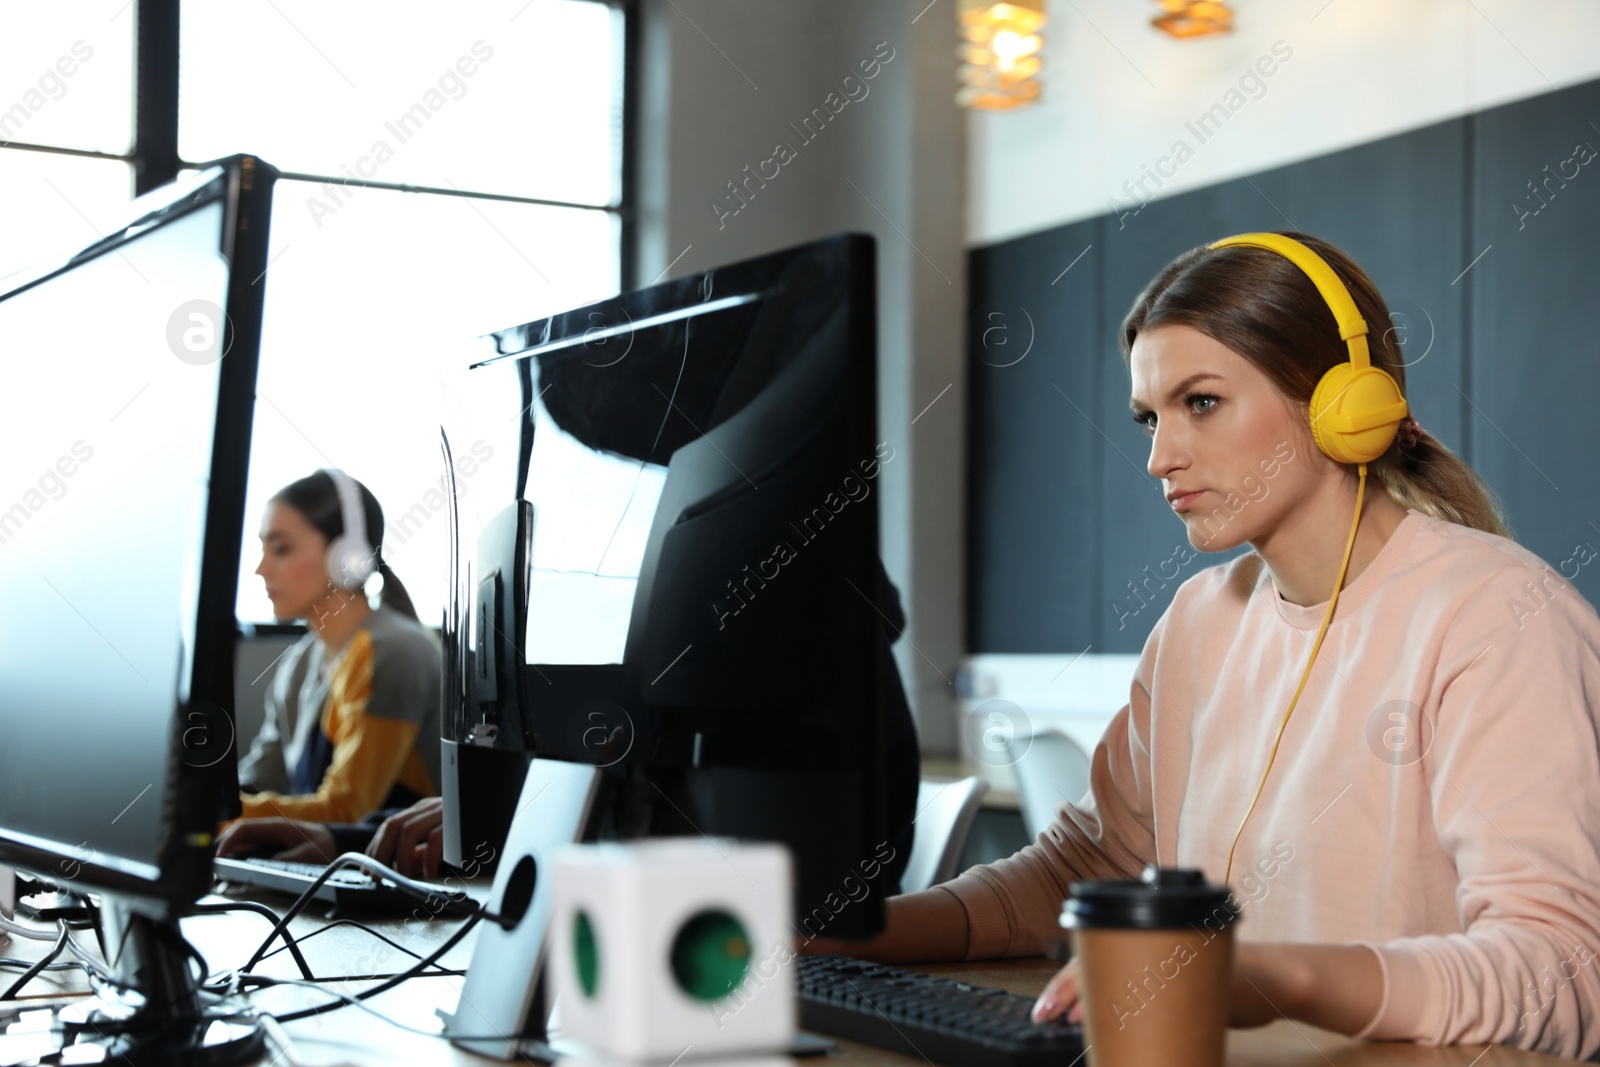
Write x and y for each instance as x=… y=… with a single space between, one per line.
x=351 y=1036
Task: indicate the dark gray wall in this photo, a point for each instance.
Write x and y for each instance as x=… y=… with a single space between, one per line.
x=1070 y=536
x=1532 y=368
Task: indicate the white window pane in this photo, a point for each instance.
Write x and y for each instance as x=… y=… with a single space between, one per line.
x=57 y=204
x=371 y=305
x=509 y=97
x=66 y=75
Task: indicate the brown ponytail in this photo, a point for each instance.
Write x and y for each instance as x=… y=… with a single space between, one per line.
x=1263 y=307
x=394 y=594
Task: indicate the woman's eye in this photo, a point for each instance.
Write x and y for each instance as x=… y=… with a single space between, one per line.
x=1147 y=420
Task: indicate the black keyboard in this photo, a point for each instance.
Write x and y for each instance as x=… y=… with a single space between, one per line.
x=936 y=1019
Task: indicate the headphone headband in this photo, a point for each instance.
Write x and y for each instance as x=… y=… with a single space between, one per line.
x=351 y=558
x=1352 y=327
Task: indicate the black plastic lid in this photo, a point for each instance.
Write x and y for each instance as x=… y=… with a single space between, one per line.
x=1162 y=899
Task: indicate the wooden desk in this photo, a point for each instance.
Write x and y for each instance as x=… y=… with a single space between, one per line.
x=351 y=1036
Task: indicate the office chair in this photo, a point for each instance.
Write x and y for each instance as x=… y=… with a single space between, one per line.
x=1052 y=769
x=945 y=811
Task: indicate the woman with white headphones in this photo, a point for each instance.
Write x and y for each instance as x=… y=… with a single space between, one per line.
x=352 y=713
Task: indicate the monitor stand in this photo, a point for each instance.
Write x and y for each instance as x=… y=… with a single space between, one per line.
x=163 y=1018
x=502 y=1011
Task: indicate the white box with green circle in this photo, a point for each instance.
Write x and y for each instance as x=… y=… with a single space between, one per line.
x=674 y=944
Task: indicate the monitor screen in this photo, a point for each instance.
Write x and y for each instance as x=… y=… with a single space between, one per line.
x=594 y=511
x=125 y=432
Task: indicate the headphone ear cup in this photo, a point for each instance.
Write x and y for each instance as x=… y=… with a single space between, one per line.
x=1351 y=392
x=349 y=567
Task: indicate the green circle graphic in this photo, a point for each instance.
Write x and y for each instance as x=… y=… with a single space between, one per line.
x=710 y=955
x=586 y=953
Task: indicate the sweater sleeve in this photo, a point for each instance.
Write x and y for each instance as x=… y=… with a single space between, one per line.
x=1513 y=771
x=1013 y=905
x=370 y=747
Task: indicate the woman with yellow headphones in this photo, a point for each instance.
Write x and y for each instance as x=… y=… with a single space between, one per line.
x=1379 y=728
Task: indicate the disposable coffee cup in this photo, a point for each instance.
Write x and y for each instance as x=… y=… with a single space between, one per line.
x=1155 y=958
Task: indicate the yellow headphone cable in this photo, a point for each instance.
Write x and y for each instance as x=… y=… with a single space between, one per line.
x=1355 y=412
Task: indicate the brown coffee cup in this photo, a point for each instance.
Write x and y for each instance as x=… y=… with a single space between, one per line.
x=1155 y=958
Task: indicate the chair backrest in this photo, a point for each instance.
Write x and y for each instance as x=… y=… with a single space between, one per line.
x=945 y=811
x=1052 y=769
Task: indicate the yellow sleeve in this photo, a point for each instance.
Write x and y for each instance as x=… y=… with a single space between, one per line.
x=369 y=751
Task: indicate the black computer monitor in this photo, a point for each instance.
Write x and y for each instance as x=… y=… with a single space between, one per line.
x=130 y=373
x=681 y=585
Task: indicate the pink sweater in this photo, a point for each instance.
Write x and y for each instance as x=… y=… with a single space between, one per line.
x=1436 y=796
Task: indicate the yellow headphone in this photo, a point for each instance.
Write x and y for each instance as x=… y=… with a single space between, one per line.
x=1355 y=412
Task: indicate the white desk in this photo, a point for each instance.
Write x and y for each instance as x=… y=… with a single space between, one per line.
x=351 y=1036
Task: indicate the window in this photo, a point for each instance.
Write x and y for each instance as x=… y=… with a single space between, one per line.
x=66 y=127
x=367 y=313
x=447 y=173
x=508 y=116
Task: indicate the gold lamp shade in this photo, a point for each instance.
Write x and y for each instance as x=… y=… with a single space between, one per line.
x=1193 y=18
x=1000 y=53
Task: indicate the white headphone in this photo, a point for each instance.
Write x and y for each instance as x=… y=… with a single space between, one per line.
x=351 y=559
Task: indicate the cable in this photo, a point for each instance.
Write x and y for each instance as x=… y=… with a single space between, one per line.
x=69 y=965
x=1327 y=617
x=411 y=972
x=271 y=916
x=32 y=972
x=94 y=966
x=440 y=971
x=33 y=933
x=366 y=863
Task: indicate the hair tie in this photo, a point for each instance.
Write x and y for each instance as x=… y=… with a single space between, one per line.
x=1410 y=433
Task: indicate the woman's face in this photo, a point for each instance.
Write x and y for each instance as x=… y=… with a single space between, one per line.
x=293 y=562
x=1228 y=434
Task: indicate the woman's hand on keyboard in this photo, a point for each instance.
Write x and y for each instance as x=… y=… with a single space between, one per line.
x=282 y=839
x=1060 y=994
x=412 y=842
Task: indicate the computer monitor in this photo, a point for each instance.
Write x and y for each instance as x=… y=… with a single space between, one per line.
x=130 y=379
x=682 y=583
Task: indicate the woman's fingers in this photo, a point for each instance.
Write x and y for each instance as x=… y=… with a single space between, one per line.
x=382 y=845
x=239 y=837
x=1060 y=994
x=413 y=834
x=433 y=851
x=312 y=843
x=397 y=839
x=251 y=835
x=304 y=852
